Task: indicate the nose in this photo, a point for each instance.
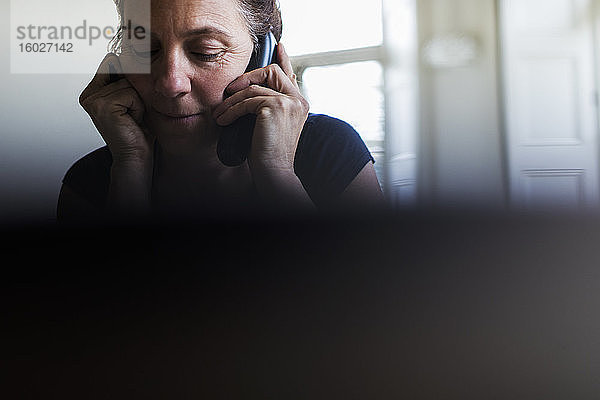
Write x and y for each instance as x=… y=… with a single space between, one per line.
x=173 y=75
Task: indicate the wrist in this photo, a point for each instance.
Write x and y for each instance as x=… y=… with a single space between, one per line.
x=273 y=178
x=132 y=159
x=281 y=188
x=276 y=165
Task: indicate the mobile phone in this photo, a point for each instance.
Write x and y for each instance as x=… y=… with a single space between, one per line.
x=235 y=140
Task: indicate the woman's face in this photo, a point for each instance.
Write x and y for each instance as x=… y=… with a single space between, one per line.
x=198 y=47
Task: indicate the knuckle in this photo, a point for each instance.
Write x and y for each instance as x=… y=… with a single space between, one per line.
x=282 y=102
x=299 y=104
x=88 y=105
x=84 y=97
x=96 y=107
x=305 y=104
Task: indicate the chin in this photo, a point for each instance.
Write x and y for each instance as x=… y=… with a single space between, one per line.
x=184 y=135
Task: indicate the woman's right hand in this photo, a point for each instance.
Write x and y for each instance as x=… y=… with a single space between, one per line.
x=117 y=111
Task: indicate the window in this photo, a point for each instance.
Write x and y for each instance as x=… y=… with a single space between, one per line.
x=317 y=26
x=352 y=92
x=346 y=54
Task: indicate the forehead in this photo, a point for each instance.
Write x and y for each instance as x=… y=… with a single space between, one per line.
x=182 y=15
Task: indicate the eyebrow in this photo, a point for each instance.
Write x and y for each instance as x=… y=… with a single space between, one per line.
x=207 y=30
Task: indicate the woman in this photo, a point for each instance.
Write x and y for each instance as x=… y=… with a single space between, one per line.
x=162 y=128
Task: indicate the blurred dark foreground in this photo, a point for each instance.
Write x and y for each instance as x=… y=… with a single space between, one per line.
x=416 y=306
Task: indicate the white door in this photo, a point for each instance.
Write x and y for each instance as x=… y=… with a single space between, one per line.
x=550 y=103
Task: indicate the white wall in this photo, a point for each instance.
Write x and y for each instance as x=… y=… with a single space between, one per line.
x=461 y=148
x=43 y=130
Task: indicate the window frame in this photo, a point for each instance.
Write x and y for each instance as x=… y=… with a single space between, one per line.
x=398 y=55
x=303 y=62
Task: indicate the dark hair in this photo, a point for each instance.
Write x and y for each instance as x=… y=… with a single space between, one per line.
x=261 y=16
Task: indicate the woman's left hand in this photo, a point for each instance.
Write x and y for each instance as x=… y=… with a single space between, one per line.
x=273 y=95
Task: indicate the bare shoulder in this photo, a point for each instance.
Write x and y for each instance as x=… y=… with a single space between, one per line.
x=364 y=191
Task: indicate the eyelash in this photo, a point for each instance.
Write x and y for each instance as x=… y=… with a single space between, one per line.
x=206 y=57
x=203 y=57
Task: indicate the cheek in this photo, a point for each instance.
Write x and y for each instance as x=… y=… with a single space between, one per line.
x=213 y=81
x=210 y=85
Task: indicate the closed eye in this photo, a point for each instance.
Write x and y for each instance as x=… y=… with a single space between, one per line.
x=206 y=57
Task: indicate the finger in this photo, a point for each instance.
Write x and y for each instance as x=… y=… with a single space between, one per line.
x=284 y=60
x=132 y=102
x=106 y=91
x=285 y=63
x=109 y=71
x=118 y=98
x=250 y=91
x=271 y=76
x=247 y=106
x=294 y=79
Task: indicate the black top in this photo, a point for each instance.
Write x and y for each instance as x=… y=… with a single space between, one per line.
x=329 y=155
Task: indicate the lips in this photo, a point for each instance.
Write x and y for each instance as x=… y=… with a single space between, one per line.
x=179 y=115
x=179 y=121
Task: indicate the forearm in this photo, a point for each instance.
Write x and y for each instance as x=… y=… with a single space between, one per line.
x=282 y=189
